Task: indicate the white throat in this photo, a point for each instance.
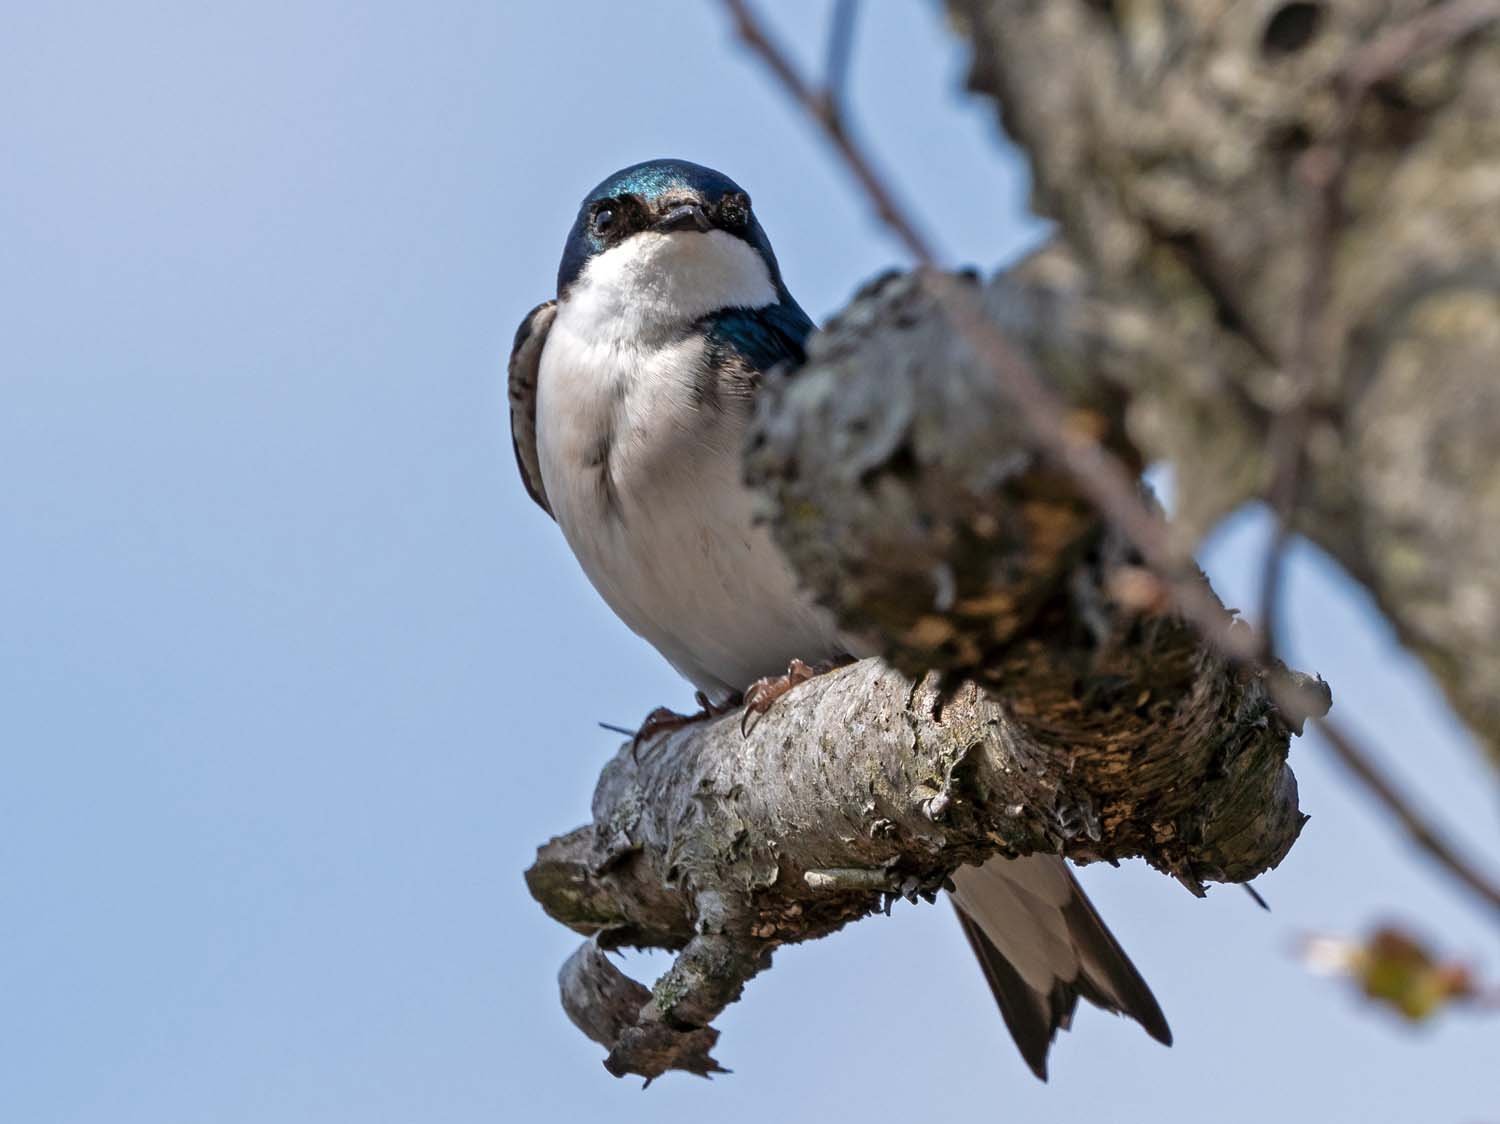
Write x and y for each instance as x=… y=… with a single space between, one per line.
x=654 y=282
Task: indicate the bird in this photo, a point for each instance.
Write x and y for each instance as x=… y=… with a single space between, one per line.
x=630 y=396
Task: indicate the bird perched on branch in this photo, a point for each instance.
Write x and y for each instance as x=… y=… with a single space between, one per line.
x=630 y=395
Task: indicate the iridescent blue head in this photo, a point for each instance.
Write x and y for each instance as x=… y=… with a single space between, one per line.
x=662 y=197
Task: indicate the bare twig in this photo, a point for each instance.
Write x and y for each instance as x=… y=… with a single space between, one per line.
x=755 y=38
x=840 y=46
x=1383 y=789
x=1322 y=172
x=1433 y=30
x=1281 y=538
x=1099 y=475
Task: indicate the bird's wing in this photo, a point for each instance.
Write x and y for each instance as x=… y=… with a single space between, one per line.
x=1042 y=945
x=749 y=342
x=525 y=359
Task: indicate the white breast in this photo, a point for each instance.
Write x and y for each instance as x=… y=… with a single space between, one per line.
x=644 y=477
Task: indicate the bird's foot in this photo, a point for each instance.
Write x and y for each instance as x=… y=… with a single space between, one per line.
x=663 y=719
x=763 y=693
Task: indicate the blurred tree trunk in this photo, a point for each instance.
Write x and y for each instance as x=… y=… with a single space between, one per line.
x=1287 y=217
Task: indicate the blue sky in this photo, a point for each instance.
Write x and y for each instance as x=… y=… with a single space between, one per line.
x=293 y=676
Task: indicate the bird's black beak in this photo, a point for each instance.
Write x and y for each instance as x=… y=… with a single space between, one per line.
x=685 y=216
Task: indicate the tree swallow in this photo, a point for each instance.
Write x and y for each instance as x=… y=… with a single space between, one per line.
x=630 y=395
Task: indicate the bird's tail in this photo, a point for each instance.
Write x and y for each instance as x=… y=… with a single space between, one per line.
x=1042 y=945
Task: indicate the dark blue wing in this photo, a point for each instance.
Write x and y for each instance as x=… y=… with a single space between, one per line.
x=757 y=338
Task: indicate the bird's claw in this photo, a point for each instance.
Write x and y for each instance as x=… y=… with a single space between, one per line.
x=659 y=721
x=663 y=719
x=758 y=698
x=763 y=693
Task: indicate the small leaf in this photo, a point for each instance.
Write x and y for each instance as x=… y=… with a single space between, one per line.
x=1395 y=969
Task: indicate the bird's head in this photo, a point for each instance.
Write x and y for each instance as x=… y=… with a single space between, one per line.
x=671 y=241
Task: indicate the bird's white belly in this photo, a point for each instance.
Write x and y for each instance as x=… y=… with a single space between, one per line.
x=661 y=522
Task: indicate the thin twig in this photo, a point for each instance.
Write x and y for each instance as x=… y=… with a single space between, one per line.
x=755 y=38
x=1322 y=173
x=1275 y=562
x=840 y=48
x=1360 y=764
x=1435 y=29
x=1102 y=477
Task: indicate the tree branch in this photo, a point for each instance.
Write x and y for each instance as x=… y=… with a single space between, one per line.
x=862 y=787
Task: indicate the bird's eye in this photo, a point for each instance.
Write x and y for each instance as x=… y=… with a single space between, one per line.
x=603 y=220
x=735 y=210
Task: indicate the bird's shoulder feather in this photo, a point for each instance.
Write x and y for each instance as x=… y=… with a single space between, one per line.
x=758 y=338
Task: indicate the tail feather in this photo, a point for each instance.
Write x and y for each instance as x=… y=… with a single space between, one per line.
x=1032 y=1018
x=1042 y=946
